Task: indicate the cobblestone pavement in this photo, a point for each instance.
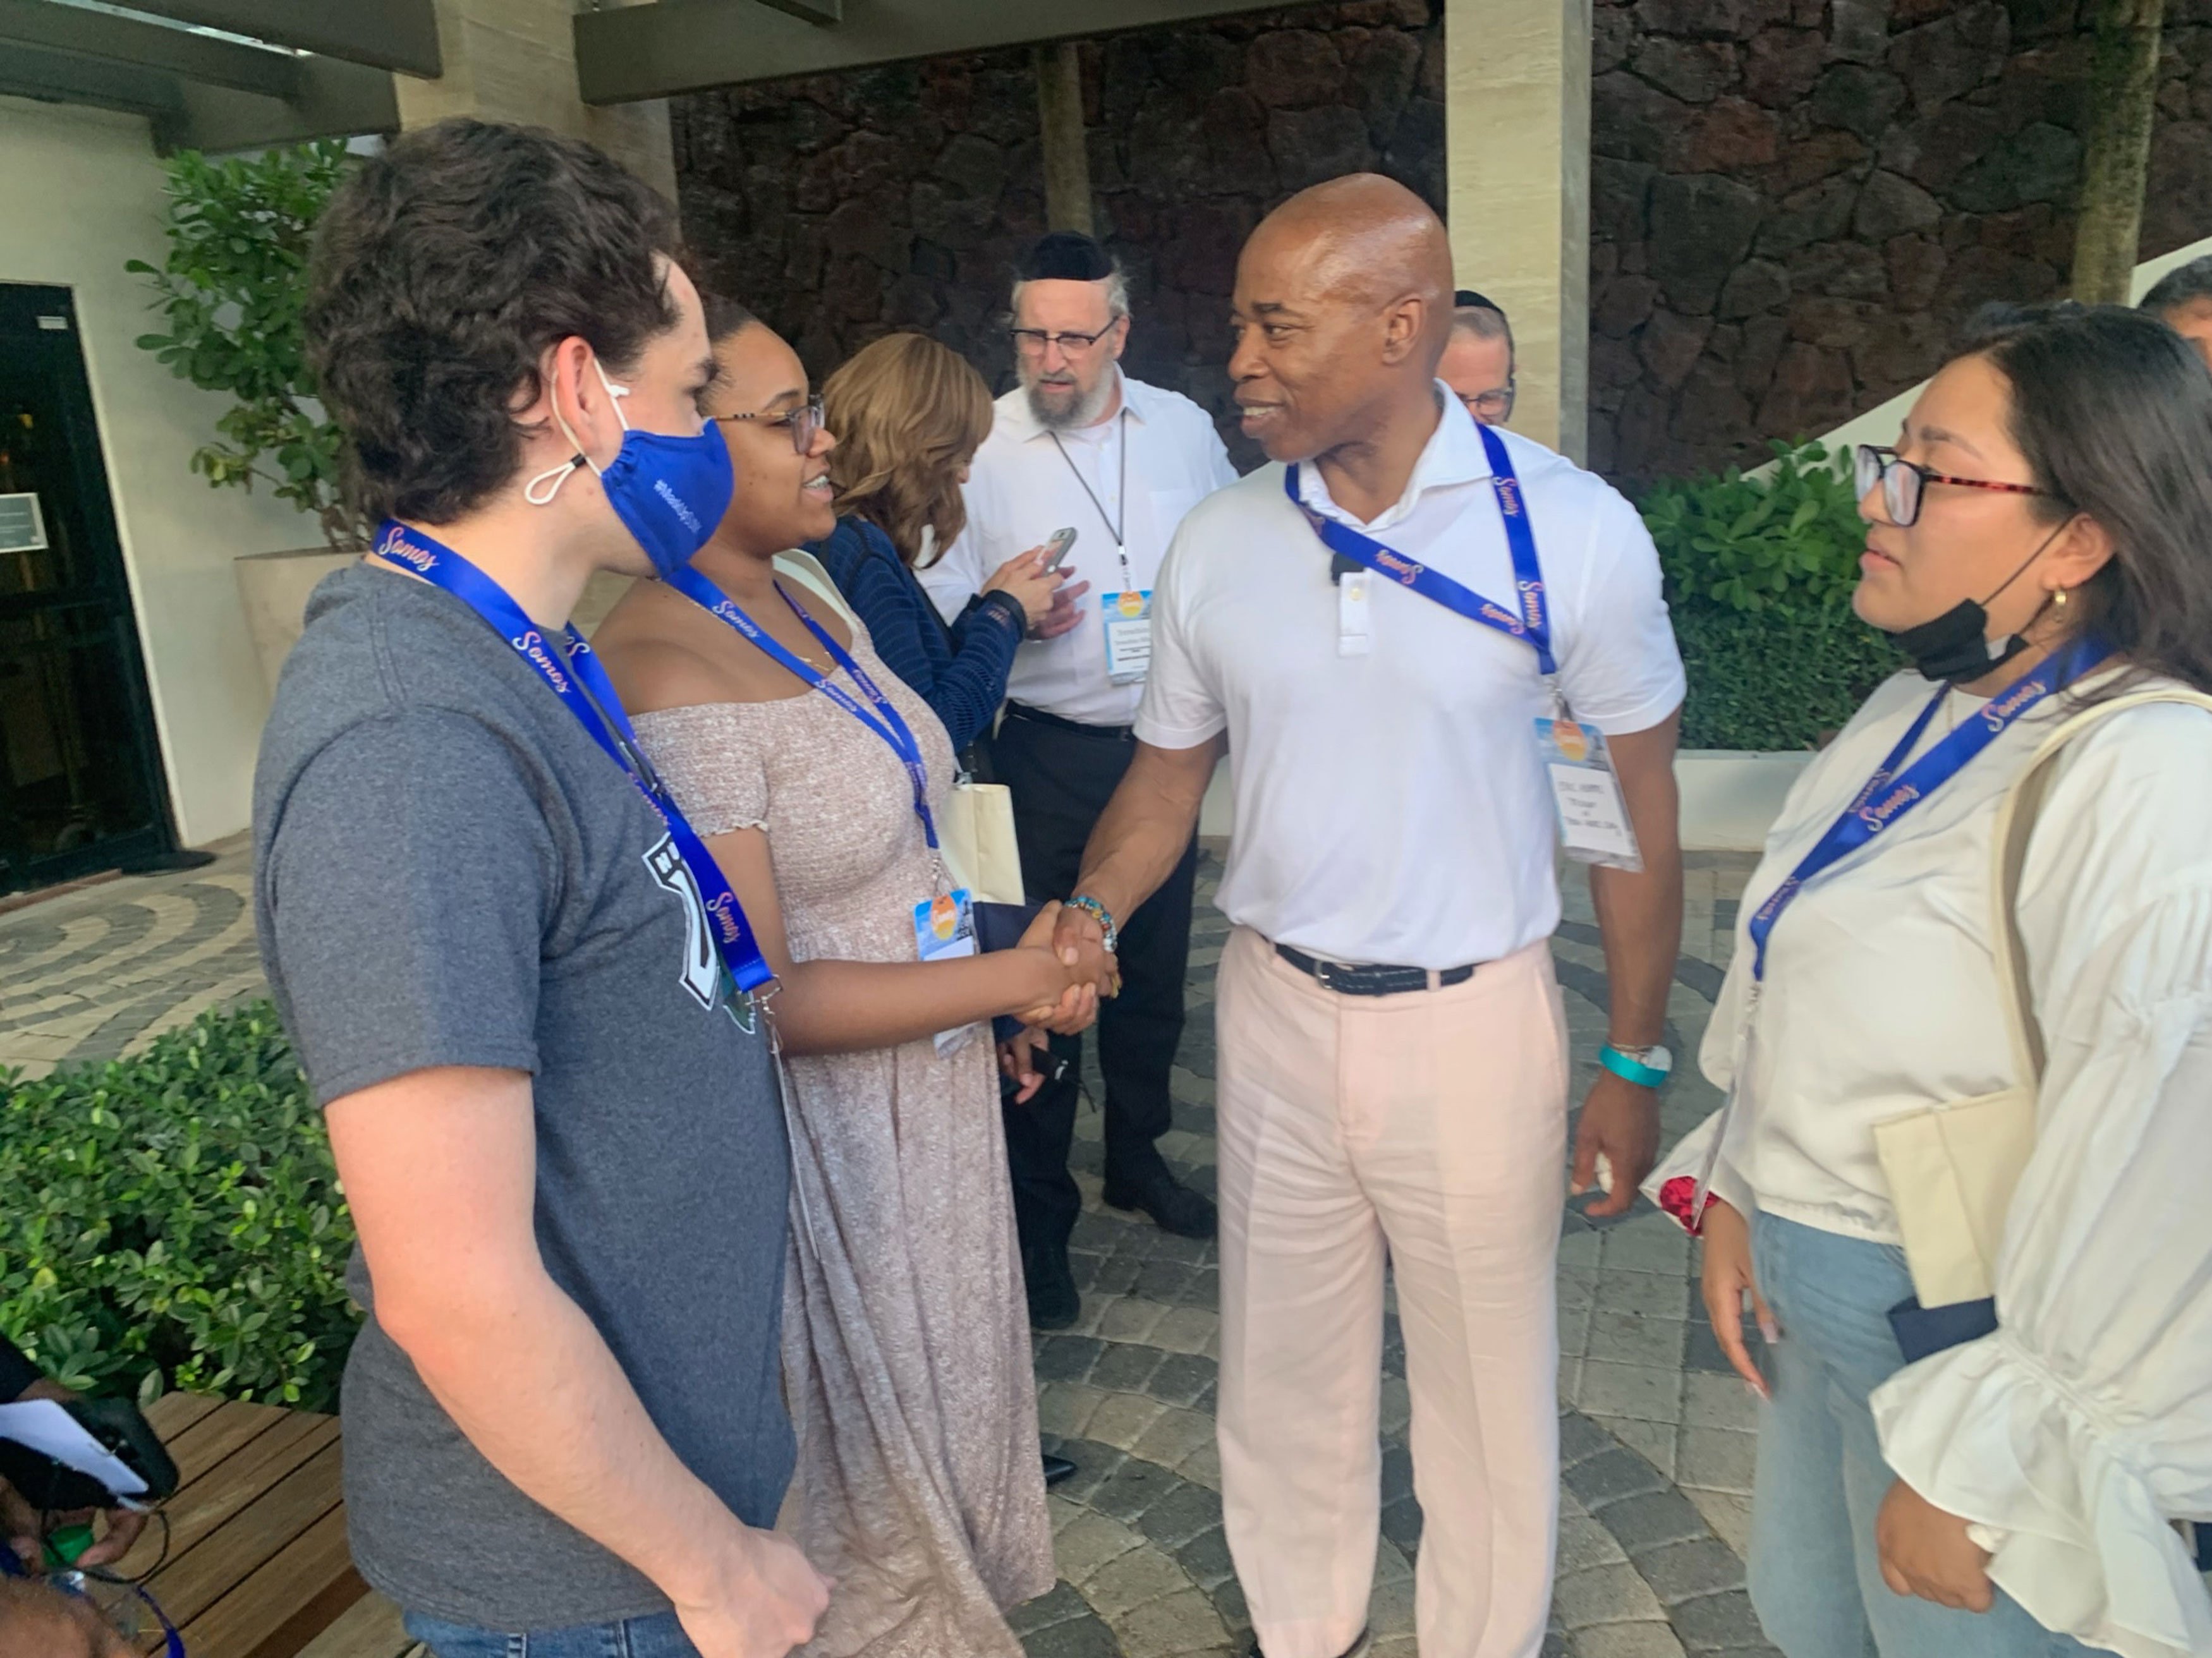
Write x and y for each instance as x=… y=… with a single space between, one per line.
x=1656 y=1431
x=99 y=972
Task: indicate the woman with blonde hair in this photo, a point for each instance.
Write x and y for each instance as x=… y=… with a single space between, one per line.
x=909 y=415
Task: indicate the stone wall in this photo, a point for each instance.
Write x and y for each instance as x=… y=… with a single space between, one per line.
x=1796 y=202
x=843 y=207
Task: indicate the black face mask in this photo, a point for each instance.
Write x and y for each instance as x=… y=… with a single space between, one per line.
x=1955 y=647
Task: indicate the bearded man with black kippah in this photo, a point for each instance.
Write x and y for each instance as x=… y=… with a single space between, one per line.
x=1080 y=445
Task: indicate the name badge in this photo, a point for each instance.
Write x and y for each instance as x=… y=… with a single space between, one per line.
x=1594 y=826
x=944 y=931
x=1353 y=637
x=1129 y=619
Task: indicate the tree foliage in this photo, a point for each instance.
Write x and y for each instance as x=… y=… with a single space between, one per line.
x=175 y=1220
x=231 y=291
x=1758 y=573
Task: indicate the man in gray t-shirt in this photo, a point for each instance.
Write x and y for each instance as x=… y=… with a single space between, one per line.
x=558 y=1126
x=451 y=873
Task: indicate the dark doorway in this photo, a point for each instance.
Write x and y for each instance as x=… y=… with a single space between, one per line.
x=81 y=785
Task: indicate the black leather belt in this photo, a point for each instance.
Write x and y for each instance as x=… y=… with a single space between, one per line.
x=1038 y=716
x=1371 y=980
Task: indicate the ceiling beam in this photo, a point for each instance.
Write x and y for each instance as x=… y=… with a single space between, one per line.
x=60 y=77
x=105 y=38
x=812 y=11
x=335 y=101
x=629 y=53
x=401 y=35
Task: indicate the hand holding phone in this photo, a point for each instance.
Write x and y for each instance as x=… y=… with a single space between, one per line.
x=1056 y=549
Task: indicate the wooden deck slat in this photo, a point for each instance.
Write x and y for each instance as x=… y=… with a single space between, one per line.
x=272 y=1600
x=202 y=1447
x=234 y=1550
x=238 y=1480
x=172 y=1413
x=370 y=1628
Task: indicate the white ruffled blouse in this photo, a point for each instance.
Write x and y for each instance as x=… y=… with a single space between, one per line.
x=2075 y=1434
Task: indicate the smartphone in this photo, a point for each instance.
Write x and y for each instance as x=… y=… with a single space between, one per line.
x=1056 y=549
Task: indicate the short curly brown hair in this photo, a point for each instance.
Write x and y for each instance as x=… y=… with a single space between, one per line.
x=443 y=271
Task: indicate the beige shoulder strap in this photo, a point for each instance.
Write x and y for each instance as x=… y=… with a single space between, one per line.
x=804 y=568
x=2015 y=825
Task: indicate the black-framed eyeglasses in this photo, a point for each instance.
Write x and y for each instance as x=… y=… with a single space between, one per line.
x=1493 y=408
x=803 y=422
x=1903 y=483
x=1033 y=342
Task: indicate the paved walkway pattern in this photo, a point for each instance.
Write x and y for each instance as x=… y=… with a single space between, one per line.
x=1656 y=1431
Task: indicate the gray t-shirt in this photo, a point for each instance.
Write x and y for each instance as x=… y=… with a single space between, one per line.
x=449 y=871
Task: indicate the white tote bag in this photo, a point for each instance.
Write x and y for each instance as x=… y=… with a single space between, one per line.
x=1952 y=1168
x=975 y=825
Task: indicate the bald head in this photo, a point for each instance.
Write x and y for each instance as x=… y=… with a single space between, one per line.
x=1364 y=239
x=1344 y=305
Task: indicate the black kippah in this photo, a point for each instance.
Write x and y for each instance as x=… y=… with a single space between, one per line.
x=1067 y=255
x=1467 y=299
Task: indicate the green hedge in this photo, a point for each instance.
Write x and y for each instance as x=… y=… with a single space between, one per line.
x=175 y=1220
x=1758 y=573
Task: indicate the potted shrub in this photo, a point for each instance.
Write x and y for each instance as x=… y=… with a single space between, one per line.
x=1758 y=573
x=231 y=291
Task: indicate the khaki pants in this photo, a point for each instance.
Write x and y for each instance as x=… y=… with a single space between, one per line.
x=1428 y=1128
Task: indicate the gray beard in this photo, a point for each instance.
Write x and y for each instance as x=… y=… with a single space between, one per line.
x=1083 y=411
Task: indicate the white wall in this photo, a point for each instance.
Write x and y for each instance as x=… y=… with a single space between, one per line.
x=79 y=193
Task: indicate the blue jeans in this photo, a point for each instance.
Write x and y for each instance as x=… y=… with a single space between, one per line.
x=657 y=1637
x=1815 y=1577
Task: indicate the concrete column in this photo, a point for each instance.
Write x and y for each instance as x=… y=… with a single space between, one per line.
x=515 y=60
x=1059 y=123
x=1516 y=138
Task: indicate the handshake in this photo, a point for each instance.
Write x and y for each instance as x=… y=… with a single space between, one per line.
x=1074 y=961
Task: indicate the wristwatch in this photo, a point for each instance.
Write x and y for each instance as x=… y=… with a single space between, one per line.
x=1103 y=915
x=1647 y=1067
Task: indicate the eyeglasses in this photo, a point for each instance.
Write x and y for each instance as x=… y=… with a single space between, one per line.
x=1032 y=342
x=803 y=422
x=1492 y=408
x=1902 y=482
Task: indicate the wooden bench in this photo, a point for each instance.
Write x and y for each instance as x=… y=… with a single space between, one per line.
x=257 y=1565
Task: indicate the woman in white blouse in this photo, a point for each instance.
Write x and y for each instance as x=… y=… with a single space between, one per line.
x=2050 y=498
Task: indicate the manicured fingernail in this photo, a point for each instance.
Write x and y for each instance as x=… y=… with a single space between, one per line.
x=1770 y=1330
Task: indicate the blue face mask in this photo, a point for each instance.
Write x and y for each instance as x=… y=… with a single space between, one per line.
x=669 y=492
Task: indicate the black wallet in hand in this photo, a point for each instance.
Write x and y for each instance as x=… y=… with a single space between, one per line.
x=1000 y=926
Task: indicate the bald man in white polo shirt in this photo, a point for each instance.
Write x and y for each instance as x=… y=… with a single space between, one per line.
x=1370 y=632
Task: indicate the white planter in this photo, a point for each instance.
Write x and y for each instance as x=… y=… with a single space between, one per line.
x=274 y=588
x=1731 y=797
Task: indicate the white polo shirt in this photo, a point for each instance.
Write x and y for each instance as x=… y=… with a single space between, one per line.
x=1391 y=807
x=1023 y=486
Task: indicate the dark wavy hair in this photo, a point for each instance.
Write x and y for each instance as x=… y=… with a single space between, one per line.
x=2113 y=412
x=442 y=272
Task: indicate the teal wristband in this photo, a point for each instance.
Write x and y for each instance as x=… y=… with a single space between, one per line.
x=1633 y=1070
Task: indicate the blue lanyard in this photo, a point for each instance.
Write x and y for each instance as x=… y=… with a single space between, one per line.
x=881 y=716
x=1532 y=624
x=583 y=687
x=1888 y=797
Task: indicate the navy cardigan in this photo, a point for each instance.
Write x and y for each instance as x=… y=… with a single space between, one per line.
x=960 y=670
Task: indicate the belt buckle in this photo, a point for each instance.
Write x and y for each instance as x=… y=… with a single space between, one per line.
x=1326 y=971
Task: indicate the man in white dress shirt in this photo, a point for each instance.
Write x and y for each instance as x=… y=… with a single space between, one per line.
x=1392 y=1075
x=1078 y=444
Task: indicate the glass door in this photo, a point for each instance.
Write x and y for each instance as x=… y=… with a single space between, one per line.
x=80 y=787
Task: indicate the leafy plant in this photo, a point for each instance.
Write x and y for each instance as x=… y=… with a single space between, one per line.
x=1758 y=573
x=175 y=1220
x=232 y=289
